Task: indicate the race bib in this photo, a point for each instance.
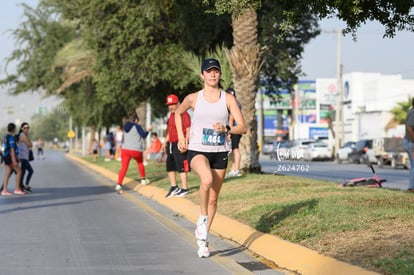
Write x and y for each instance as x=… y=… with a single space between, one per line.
x=213 y=138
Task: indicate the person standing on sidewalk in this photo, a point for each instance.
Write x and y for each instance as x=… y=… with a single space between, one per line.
x=235 y=140
x=154 y=150
x=132 y=147
x=25 y=145
x=95 y=149
x=11 y=160
x=176 y=161
x=208 y=146
x=119 y=136
x=408 y=144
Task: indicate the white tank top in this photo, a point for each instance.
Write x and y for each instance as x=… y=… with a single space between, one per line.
x=203 y=138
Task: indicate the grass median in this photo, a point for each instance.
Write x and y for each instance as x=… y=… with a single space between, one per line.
x=369 y=227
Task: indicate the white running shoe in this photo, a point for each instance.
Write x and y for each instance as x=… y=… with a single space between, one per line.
x=236 y=173
x=118 y=189
x=230 y=174
x=201 y=230
x=203 y=250
x=233 y=173
x=145 y=181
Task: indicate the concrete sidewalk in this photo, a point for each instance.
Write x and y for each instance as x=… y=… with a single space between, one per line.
x=283 y=253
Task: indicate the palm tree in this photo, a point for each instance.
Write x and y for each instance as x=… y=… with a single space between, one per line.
x=193 y=62
x=75 y=62
x=245 y=59
x=399 y=113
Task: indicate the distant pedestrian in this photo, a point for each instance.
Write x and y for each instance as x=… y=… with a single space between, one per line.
x=102 y=145
x=25 y=145
x=107 y=147
x=132 y=147
x=176 y=161
x=208 y=145
x=11 y=160
x=40 y=148
x=409 y=144
x=119 y=136
x=95 y=149
x=235 y=140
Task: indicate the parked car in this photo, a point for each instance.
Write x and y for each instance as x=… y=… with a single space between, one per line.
x=317 y=151
x=344 y=151
x=281 y=150
x=268 y=148
x=298 y=148
x=363 y=152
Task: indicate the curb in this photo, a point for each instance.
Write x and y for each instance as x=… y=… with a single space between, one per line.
x=284 y=254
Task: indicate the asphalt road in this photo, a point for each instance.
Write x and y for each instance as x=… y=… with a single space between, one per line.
x=74 y=223
x=332 y=171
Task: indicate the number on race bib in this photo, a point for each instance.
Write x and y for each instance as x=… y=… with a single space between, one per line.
x=212 y=138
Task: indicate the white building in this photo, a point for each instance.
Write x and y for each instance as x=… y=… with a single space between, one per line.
x=367 y=100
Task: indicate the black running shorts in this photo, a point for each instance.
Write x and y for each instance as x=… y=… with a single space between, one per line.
x=235 y=140
x=217 y=160
x=176 y=161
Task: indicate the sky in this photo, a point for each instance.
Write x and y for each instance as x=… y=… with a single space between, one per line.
x=11 y=15
x=22 y=107
x=370 y=53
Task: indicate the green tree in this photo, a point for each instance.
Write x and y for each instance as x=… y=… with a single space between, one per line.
x=281 y=60
x=39 y=38
x=50 y=126
x=75 y=62
x=139 y=44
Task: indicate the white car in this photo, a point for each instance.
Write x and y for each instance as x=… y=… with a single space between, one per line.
x=344 y=151
x=298 y=147
x=317 y=151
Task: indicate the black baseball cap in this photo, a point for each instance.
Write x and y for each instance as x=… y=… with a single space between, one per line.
x=210 y=63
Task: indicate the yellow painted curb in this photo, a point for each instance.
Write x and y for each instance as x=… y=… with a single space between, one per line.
x=285 y=254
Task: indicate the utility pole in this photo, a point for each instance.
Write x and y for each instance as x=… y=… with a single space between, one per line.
x=260 y=127
x=148 y=120
x=339 y=128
